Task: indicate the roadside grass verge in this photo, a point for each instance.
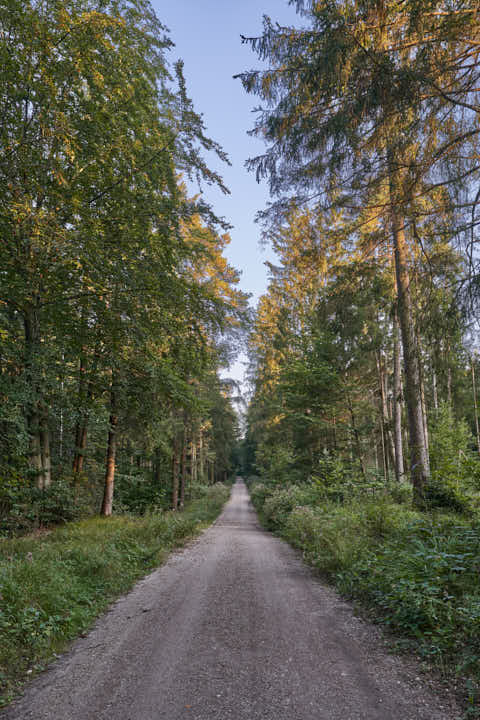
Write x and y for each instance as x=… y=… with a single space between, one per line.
x=416 y=573
x=54 y=585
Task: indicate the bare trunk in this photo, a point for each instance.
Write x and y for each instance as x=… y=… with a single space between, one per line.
x=194 y=460
x=397 y=400
x=449 y=386
x=33 y=418
x=474 y=388
x=85 y=394
x=107 y=503
x=45 y=449
x=35 y=447
x=387 y=439
x=175 y=479
x=82 y=445
x=357 y=437
x=419 y=462
x=424 y=410
x=183 y=475
x=201 y=455
x=158 y=466
x=434 y=387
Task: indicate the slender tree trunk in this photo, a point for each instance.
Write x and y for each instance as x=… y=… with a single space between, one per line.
x=107 y=502
x=474 y=389
x=375 y=450
x=158 y=467
x=384 y=450
x=31 y=328
x=35 y=446
x=44 y=432
x=85 y=394
x=183 y=476
x=175 y=479
x=449 y=386
x=434 y=386
x=356 y=436
x=201 y=455
x=388 y=444
x=82 y=445
x=424 y=410
x=397 y=400
x=419 y=462
x=194 y=461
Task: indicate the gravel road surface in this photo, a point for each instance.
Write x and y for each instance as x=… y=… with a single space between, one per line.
x=234 y=627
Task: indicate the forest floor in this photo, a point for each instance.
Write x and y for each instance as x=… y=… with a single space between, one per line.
x=235 y=627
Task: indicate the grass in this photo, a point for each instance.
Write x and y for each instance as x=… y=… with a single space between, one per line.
x=54 y=585
x=417 y=573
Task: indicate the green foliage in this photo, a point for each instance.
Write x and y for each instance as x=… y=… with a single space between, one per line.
x=417 y=572
x=455 y=466
x=136 y=494
x=24 y=507
x=117 y=303
x=53 y=585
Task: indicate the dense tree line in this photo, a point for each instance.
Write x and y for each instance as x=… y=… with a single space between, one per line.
x=117 y=306
x=364 y=346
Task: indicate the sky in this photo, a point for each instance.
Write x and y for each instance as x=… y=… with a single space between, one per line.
x=206 y=34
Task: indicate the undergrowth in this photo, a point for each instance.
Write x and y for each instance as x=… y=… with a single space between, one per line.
x=418 y=572
x=54 y=584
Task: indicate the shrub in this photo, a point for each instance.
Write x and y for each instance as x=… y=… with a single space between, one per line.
x=24 y=507
x=279 y=504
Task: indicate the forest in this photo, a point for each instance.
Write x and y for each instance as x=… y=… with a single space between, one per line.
x=120 y=315
x=362 y=428
x=117 y=306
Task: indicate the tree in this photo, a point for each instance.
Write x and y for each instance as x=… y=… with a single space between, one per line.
x=352 y=116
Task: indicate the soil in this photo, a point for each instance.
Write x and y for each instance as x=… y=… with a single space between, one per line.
x=234 y=627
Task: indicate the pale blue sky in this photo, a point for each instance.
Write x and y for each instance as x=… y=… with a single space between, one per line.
x=207 y=37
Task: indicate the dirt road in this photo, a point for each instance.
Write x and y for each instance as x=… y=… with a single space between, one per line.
x=235 y=627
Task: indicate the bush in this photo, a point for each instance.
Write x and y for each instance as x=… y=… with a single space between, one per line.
x=279 y=504
x=23 y=507
x=136 y=494
x=446 y=494
x=455 y=467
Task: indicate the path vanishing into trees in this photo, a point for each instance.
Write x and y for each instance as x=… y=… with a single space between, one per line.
x=233 y=627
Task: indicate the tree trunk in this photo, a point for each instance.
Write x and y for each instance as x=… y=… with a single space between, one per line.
x=388 y=444
x=175 y=480
x=434 y=386
x=357 y=437
x=45 y=449
x=419 y=462
x=397 y=400
x=158 y=466
x=194 y=460
x=32 y=412
x=35 y=447
x=85 y=395
x=183 y=476
x=474 y=388
x=82 y=445
x=424 y=410
x=201 y=455
x=107 y=502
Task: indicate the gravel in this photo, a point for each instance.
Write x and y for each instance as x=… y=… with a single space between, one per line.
x=234 y=627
